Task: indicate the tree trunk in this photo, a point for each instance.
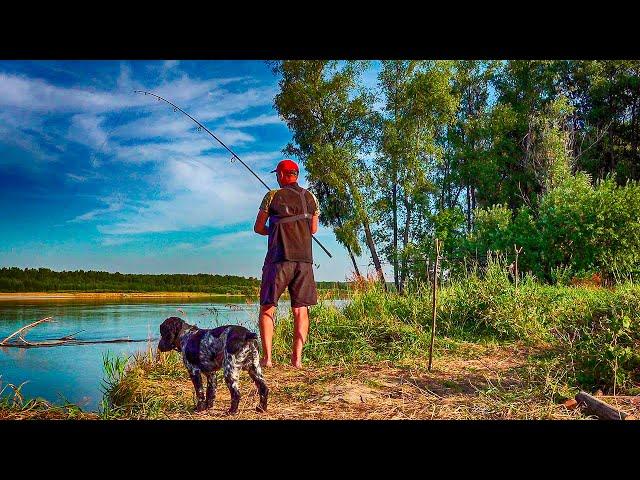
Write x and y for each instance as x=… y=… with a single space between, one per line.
x=353 y=260
x=405 y=242
x=374 y=253
x=395 y=232
x=394 y=193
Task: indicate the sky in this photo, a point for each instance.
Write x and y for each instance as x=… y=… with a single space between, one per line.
x=96 y=177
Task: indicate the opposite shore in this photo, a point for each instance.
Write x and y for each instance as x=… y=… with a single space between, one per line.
x=99 y=295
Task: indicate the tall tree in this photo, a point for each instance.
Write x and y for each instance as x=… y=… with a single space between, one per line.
x=468 y=136
x=525 y=89
x=605 y=95
x=332 y=126
x=419 y=105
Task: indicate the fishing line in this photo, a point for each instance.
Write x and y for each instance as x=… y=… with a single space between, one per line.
x=233 y=154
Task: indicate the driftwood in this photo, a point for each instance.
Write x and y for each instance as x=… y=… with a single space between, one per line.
x=602 y=410
x=27 y=327
x=55 y=342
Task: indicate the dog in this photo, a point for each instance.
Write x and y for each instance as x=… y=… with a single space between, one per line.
x=204 y=351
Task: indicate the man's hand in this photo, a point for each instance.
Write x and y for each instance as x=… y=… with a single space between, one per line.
x=260 y=226
x=314 y=224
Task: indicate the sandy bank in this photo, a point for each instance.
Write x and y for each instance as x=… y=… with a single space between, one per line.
x=99 y=295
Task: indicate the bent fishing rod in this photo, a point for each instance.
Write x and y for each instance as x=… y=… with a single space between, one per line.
x=201 y=126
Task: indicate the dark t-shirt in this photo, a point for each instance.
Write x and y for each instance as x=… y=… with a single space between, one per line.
x=289 y=241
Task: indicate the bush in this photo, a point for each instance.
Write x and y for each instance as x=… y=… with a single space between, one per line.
x=579 y=229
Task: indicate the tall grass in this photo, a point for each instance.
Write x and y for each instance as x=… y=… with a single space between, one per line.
x=588 y=337
x=593 y=333
x=14 y=406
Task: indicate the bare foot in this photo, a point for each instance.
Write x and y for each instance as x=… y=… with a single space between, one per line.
x=296 y=363
x=265 y=363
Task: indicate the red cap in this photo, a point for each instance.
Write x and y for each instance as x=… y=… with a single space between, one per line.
x=286 y=165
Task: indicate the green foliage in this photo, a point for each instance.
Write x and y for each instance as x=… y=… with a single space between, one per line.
x=580 y=229
x=44 y=280
x=367 y=329
x=496 y=150
x=594 y=334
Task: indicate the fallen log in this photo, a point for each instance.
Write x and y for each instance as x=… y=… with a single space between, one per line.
x=57 y=343
x=602 y=410
x=27 y=327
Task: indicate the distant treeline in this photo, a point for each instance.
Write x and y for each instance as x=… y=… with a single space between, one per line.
x=45 y=280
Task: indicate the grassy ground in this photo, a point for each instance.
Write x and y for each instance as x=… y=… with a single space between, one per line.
x=468 y=381
x=500 y=353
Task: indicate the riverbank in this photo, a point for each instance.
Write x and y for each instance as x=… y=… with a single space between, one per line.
x=107 y=295
x=468 y=382
x=500 y=352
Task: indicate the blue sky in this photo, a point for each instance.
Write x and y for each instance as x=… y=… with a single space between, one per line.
x=93 y=176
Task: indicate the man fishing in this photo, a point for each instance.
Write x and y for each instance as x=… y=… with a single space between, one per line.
x=292 y=213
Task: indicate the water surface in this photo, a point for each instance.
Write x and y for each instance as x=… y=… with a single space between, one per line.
x=74 y=372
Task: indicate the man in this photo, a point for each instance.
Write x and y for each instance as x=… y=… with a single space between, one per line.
x=293 y=213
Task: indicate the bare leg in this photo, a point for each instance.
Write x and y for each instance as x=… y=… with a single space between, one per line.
x=300 y=332
x=266 y=332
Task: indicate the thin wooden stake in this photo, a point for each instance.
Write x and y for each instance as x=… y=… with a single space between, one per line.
x=517 y=250
x=433 y=310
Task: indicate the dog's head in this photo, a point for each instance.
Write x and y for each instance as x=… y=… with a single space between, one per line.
x=170 y=334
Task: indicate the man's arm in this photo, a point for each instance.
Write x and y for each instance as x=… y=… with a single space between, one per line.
x=316 y=214
x=260 y=226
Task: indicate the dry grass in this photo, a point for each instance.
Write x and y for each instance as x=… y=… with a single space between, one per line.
x=485 y=382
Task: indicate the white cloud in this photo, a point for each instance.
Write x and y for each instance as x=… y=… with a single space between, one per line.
x=113 y=205
x=113 y=241
x=223 y=103
x=263 y=119
x=198 y=193
x=170 y=64
x=233 y=240
x=85 y=128
x=77 y=178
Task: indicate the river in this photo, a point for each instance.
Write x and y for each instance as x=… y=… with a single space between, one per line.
x=74 y=373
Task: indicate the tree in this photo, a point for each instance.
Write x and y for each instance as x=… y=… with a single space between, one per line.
x=332 y=126
x=419 y=105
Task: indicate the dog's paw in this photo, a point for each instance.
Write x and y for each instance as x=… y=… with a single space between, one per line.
x=201 y=407
x=232 y=412
x=261 y=409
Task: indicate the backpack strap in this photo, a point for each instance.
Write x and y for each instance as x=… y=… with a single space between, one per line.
x=294 y=218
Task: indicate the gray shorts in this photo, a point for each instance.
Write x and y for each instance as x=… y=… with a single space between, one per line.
x=296 y=276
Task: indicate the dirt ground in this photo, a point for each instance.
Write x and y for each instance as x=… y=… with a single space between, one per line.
x=487 y=387
x=479 y=383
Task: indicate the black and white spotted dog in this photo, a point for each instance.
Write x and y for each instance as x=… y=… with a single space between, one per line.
x=204 y=351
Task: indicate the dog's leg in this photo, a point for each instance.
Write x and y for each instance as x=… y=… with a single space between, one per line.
x=197 y=384
x=212 y=382
x=255 y=372
x=231 y=377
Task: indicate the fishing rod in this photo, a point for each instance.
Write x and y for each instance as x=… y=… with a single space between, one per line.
x=201 y=126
